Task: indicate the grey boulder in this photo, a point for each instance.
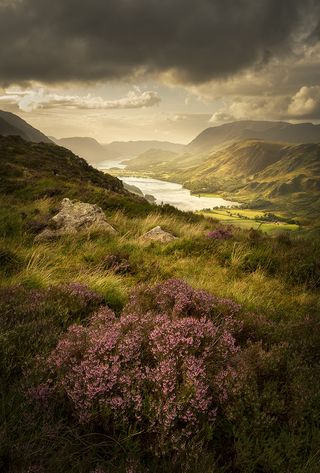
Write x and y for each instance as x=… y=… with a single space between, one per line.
x=157 y=234
x=75 y=217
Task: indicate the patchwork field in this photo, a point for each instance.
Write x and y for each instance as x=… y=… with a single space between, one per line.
x=250 y=219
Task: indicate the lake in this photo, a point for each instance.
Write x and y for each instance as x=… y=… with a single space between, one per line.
x=174 y=194
x=110 y=164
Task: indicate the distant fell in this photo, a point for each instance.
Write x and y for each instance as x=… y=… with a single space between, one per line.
x=264 y=174
x=87 y=148
x=253 y=158
x=262 y=130
x=131 y=149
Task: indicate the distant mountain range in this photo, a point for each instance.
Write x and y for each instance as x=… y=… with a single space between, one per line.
x=130 y=149
x=11 y=124
x=96 y=153
x=85 y=147
x=272 y=169
x=262 y=130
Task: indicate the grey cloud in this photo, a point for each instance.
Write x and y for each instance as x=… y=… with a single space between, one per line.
x=195 y=40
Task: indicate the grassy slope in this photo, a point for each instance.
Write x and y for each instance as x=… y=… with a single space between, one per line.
x=37 y=177
x=25 y=167
x=277 y=278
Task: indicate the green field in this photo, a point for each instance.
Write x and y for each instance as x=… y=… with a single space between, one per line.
x=248 y=218
x=206 y=194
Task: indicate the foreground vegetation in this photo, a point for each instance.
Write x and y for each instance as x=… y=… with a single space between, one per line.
x=118 y=355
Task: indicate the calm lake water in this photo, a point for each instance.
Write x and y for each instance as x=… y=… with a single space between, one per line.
x=175 y=194
x=110 y=164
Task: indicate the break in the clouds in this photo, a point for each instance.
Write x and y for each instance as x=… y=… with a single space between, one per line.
x=33 y=99
x=190 y=41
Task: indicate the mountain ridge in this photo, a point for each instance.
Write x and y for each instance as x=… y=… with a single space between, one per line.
x=250 y=129
x=11 y=124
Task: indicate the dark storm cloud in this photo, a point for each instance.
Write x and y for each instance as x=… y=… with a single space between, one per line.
x=61 y=40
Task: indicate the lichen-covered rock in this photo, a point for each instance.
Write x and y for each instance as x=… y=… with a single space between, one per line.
x=157 y=234
x=75 y=217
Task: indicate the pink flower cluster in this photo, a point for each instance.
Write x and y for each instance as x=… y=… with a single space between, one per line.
x=221 y=234
x=176 y=298
x=162 y=368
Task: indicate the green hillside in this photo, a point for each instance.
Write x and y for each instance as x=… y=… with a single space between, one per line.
x=264 y=175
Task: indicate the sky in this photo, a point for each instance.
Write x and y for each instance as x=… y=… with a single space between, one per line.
x=158 y=69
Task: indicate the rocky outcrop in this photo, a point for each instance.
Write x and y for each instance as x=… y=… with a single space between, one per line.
x=150 y=198
x=75 y=217
x=157 y=234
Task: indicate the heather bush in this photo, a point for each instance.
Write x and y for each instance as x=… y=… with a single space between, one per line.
x=221 y=234
x=118 y=263
x=162 y=370
x=177 y=298
x=36 y=225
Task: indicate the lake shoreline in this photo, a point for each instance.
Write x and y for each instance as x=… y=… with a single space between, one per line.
x=173 y=193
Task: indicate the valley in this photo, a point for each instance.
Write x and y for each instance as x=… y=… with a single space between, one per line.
x=273 y=177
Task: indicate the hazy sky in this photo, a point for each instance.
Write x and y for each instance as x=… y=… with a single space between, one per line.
x=158 y=69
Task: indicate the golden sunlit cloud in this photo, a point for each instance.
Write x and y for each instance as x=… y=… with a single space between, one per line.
x=33 y=99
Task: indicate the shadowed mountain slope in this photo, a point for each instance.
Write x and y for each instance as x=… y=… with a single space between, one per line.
x=11 y=124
